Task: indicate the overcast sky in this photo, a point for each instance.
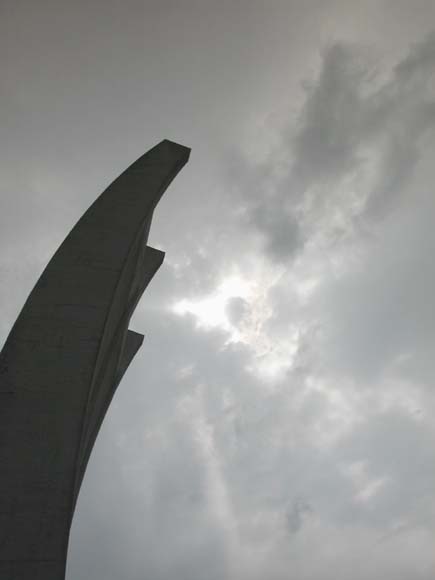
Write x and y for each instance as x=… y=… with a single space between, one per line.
x=278 y=421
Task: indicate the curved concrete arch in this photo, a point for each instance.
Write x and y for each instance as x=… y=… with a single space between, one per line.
x=64 y=358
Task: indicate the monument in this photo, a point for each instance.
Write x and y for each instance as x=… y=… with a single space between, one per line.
x=64 y=359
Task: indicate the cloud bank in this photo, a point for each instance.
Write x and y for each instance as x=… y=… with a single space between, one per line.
x=277 y=422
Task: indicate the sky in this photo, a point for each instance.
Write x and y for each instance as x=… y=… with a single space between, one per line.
x=278 y=421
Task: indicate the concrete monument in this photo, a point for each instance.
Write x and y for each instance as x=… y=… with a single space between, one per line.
x=64 y=358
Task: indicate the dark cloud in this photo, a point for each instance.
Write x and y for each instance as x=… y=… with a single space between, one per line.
x=283 y=236
x=354 y=128
x=295 y=515
x=236 y=310
x=333 y=121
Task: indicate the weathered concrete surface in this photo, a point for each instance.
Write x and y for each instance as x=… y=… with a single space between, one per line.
x=63 y=360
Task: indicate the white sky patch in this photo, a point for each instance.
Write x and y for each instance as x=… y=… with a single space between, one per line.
x=399 y=393
x=273 y=359
x=366 y=487
x=306 y=287
x=371 y=489
x=342 y=411
x=210 y=311
x=185 y=372
x=192 y=406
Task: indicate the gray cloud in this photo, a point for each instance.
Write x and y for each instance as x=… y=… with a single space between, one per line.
x=333 y=121
x=282 y=230
x=295 y=515
x=236 y=310
x=307 y=448
x=353 y=127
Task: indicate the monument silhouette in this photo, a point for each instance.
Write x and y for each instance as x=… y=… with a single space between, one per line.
x=64 y=358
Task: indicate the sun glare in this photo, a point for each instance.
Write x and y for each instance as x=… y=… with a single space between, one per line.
x=270 y=360
x=211 y=311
